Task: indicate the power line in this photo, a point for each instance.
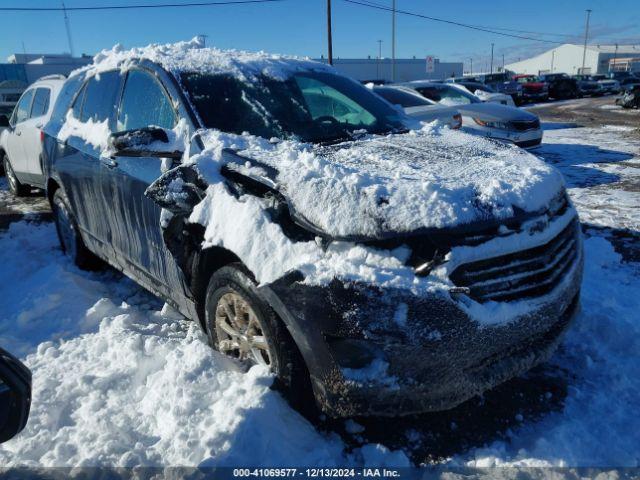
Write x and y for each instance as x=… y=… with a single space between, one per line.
x=450 y=22
x=127 y=7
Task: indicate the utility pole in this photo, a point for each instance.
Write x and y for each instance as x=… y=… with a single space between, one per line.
x=393 y=41
x=586 y=37
x=503 y=63
x=471 y=65
x=329 y=38
x=379 y=59
x=68 y=27
x=491 y=70
x=615 y=58
x=553 y=54
x=203 y=39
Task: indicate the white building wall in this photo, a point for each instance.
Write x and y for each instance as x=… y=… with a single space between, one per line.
x=564 y=59
x=406 y=69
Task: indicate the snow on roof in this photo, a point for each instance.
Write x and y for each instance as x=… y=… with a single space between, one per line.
x=194 y=56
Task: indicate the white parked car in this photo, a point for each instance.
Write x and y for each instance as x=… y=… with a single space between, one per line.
x=486 y=93
x=493 y=120
x=21 y=140
x=418 y=107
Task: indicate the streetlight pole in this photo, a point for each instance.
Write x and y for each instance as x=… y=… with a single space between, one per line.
x=491 y=69
x=615 y=58
x=393 y=41
x=586 y=37
x=329 y=37
x=553 y=55
x=503 y=63
x=471 y=66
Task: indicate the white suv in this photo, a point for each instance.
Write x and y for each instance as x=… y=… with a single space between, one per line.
x=21 y=141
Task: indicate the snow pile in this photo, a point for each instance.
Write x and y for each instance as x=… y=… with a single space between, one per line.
x=119 y=382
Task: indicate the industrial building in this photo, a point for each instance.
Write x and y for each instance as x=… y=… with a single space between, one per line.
x=567 y=58
x=407 y=69
x=28 y=67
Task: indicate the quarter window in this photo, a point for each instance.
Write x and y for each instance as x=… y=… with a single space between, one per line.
x=23 y=107
x=40 y=102
x=144 y=104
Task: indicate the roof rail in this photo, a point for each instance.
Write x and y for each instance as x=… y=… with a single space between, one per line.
x=55 y=76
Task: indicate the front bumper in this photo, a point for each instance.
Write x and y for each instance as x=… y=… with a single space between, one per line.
x=373 y=351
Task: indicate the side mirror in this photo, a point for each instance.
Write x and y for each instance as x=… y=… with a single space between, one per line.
x=4 y=121
x=145 y=142
x=15 y=395
x=178 y=190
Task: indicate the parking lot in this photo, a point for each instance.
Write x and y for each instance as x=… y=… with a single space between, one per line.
x=121 y=380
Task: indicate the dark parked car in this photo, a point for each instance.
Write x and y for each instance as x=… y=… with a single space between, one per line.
x=561 y=86
x=503 y=83
x=587 y=86
x=258 y=195
x=629 y=84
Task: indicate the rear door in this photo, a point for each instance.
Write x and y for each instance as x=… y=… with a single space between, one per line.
x=15 y=145
x=137 y=235
x=31 y=131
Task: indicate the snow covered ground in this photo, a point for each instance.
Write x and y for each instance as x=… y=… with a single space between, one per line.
x=118 y=380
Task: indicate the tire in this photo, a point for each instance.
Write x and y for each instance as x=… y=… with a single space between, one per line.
x=69 y=236
x=278 y=351
x=17 y=188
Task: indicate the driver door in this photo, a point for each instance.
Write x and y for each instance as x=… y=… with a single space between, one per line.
x=137 y=234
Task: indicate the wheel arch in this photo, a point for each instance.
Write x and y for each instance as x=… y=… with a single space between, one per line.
x=50 y=188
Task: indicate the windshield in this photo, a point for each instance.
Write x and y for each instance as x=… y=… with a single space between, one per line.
x=309 y=106
x=447 y=95
x=403 y=98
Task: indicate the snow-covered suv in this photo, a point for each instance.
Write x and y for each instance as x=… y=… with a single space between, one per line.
x=298 y=218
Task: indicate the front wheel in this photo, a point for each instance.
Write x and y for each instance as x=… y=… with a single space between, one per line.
x=17 y=188
x=70 y=240
x=243 y=326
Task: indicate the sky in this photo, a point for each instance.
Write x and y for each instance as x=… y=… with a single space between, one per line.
x=298 y=27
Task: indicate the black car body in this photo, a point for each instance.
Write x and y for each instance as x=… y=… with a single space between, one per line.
x=433 y=351
x=561 y=86
x=503 y=83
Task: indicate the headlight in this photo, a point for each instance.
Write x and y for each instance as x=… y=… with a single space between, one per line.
x=498 y=125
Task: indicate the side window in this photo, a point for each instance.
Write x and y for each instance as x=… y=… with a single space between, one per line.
x=23 y=108
x=40 y=102
x=100 y=97
x=77 y=104
x=144 y=103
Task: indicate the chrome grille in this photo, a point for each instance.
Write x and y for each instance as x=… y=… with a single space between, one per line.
x=528 y=273
x=524 y=125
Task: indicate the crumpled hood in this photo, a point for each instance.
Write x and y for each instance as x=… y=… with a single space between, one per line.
x=426 y=179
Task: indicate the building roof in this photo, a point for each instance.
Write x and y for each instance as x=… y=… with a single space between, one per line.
x=621 y=49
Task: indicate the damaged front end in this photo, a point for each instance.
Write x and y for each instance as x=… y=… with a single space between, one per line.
x=380 y=350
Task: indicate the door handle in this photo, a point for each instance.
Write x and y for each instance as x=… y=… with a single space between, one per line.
x=108 y=162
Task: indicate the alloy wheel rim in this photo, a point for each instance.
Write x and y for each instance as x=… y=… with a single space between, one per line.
x=239 y=331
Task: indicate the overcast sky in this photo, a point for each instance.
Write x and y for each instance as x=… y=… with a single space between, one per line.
x=298 y=27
